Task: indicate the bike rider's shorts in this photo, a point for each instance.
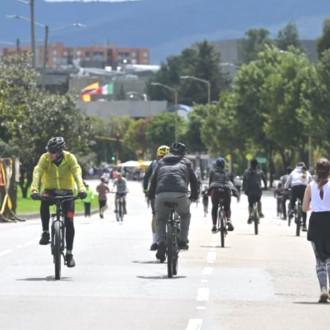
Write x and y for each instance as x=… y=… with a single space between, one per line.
x=254 y=197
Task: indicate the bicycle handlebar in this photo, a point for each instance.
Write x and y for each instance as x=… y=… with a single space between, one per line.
x=44 y=197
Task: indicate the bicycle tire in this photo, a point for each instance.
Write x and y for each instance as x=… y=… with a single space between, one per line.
x=170 y=251
x=57 y=249
x=120 y=211
x=256 y=221
x=222 y=228
x=298 y=224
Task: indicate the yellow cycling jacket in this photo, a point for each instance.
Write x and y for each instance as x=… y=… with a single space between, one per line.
x=66 y=176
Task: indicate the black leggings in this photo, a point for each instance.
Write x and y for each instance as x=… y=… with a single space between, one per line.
x=68 y=211
x=216 y=195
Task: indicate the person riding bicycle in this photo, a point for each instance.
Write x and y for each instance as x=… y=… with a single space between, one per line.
x=58 y=172
x=252 y=178
x=162 y=151
x=298 y=179
x=285 y=193
x=121 y=191
x=220 y=187
x=173 y=175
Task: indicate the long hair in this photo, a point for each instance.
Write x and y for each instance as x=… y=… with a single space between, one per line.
x=322 y=171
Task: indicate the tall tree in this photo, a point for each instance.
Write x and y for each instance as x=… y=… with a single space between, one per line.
x=288 y=36
x=200 y=61
x=255 y=41
x=323 y=42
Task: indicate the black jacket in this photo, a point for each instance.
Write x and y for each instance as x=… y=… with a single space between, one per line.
x=174 y=174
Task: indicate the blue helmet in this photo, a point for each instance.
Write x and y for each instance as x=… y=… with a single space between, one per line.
x=220 y=162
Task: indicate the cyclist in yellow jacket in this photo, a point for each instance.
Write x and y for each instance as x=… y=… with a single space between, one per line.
x=58 y=173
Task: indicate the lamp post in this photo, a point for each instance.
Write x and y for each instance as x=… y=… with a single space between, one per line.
x=175 y=97
x=202 y=81
x=46 y=37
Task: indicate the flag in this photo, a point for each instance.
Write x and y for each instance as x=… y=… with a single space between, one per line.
x=90 y=88
x=85 y=97
x=107 y=89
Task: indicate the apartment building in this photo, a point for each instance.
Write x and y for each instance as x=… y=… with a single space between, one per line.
x=59 y=55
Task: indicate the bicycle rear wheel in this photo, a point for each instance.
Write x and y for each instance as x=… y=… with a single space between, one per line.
x=170 y=252
x=56 y=249
x=222 y=228
x=256 y=221
x=298 y=225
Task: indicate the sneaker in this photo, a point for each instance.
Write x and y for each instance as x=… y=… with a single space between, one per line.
x=154 y=247
x=230 y=226
x=323 y=297
x=45 y=237
x=249 y=221
x=160 y=254
x=261 y=215
x=183 y=245
x=69 y=260
x=214 y=229
x=304 y=228
x=101 y=216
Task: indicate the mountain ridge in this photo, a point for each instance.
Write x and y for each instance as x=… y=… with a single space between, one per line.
x=165 y=27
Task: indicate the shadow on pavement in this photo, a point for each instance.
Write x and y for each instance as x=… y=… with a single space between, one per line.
x=309 y=303
x=47 y=278
x=163 y=277
x=145 y=262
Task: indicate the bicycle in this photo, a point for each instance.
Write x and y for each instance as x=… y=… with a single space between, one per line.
x=222 y=223
x=297 y=215
x=172 y=240
x=119 y=204
x=58 y=230
x=255 y=217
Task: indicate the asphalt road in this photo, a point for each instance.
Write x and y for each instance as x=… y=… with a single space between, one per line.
x=257 y=282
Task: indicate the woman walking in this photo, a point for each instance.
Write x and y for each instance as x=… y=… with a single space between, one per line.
x=317 y=198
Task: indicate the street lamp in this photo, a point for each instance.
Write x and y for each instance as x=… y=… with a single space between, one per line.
x=46 y=27
x=202 y=81
x=175 y=94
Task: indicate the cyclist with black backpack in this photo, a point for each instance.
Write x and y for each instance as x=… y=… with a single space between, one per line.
x=252 y=178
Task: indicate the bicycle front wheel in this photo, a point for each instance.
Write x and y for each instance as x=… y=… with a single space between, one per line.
x=298 y=225
x=56 y=249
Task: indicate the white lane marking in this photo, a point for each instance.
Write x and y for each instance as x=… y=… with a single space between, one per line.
x=194 y=324
x=211 y=256
x=207 y=271
x=203 y=294
x=3 y=253
x=200 y=308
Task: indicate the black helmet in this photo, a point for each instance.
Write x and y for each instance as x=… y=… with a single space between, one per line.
x=178 y=148
x=55 y=144
x=254 y=163
x=220 y=162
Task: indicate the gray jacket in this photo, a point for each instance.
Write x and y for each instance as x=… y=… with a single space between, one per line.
x=173 y=174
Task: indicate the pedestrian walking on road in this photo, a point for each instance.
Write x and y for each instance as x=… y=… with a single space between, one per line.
x=317 y=198
x=88 y=200
x=102 y=189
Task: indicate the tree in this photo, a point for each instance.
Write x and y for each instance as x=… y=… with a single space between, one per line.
x=135 y=137
x=254 y=42
x=288 y=36
x=323 y=42
x=201 y=61
x=33 y=116
x=162 y=128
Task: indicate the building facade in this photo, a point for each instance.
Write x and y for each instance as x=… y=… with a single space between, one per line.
x=59 y=56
